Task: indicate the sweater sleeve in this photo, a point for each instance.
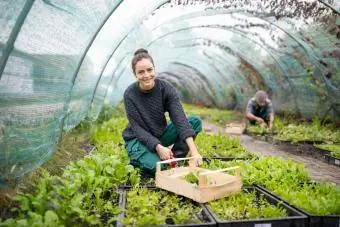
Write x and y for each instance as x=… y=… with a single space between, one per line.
x=250 y=106
x=270 y=109
x=174 y=107
x=141 y=134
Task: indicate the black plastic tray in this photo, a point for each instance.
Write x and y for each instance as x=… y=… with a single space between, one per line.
x=295 y=219
x=209 y=220
x=334 y=161
x=313 y=220
x=226 y=158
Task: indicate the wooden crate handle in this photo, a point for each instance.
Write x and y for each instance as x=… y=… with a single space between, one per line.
x=203 y=180
x=237 y=172
x=158 y=164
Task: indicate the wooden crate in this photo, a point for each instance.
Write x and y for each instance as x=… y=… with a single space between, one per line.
x=235 y=128
x=212 y=184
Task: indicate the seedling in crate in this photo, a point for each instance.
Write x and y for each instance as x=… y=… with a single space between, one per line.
x=192 y=178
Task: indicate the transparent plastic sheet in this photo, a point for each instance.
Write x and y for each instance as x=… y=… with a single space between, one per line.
x=36 y=81
x=335 y=4
x=290 y=36
x=100 y=52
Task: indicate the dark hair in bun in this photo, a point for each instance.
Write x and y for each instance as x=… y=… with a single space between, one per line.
x=141 y=50
x=139 y=55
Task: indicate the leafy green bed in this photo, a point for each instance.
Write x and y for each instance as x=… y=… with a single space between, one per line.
x=85 y=193
x=215 y=116
x=245 y=205
x=146 y=207
x=220 y=145
x=290 y=181
x=299 y=132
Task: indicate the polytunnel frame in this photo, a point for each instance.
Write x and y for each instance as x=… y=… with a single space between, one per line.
x=309 y=52
x=241 y=34
x=14 y=34
x=98 y=81
x=20 y=21
x=306 y=49
x=200 y=75
x=112 y=77
x=74 y=77
x=180 y=78
x=114 y=50
x=216 y=68
x=9 y=46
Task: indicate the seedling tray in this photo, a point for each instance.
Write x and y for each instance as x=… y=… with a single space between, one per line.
x=227 y=159
x=204 y=215
x=211 y=184
x=332 y=160
x=296 y=218
x=313 y=220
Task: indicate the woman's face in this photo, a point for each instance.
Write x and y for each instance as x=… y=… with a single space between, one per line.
x=145 y=74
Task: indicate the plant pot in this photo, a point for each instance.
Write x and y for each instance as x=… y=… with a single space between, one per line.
x=313 y=220
x=295 y=218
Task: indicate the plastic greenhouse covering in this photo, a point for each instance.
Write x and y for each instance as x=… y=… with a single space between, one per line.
x=60 y=61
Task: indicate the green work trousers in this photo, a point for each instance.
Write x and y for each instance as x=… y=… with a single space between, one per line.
x=141 y=157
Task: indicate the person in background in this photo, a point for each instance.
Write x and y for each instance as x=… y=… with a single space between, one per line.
x=260 y=110
x=148 y=136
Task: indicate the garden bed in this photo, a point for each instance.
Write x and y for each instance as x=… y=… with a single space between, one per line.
x=255 y=207
x=302 y=149
x=155 y=207
x=220 y=146
x=313 y=220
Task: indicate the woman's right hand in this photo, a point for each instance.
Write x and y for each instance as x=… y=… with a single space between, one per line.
x=163 y=152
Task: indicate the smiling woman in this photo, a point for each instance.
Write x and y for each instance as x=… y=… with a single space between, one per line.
x=148 y=136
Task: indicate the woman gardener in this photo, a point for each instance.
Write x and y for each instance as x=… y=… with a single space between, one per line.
x=148 y=136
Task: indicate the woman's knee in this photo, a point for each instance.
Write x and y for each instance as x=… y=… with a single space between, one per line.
x=196 y=123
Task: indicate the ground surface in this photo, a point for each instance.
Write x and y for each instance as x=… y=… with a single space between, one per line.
x=318 y=168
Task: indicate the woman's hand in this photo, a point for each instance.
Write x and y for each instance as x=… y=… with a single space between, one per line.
x=198 y=160
x=193 y=152
x=164 y=153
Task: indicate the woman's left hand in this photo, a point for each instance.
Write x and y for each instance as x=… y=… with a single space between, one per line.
x=198 y=160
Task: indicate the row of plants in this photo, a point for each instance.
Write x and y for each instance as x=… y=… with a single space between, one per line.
x=213 y=115
x=290 y=181
x=87 y=191
x=85 y=194
x=294 y=132
x=153 y=207
x=246 y=205
x=268 y=172
x=221 y=146
x=326 y=137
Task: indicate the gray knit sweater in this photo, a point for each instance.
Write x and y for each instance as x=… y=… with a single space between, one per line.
x=145 y=112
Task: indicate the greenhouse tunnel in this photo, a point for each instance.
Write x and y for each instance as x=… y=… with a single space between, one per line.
x=61 y=61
